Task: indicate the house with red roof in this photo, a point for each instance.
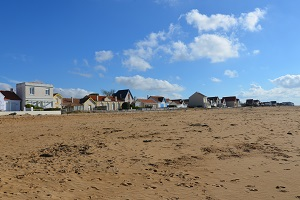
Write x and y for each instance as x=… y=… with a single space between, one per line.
x=106 y=102
x=145 y=103
x=75 y=104
x=9 y=101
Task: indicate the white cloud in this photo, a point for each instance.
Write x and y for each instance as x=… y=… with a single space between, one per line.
x=140 y=83
x=249 y=21
x=287 y=81
x=5 y=86
x=101 y=56
x=137 y=63
x=212 y=23
x=256 y=52
x=138 y=58
x=216 y=80
x=231 y=73
x=100 y=67
x=214 y=47
x=179 y=51
x=278 y=94
x=72 y=92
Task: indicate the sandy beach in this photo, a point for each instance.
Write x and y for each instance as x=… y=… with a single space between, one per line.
x=214 y=154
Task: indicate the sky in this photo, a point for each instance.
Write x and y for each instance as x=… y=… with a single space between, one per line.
x=171 y=48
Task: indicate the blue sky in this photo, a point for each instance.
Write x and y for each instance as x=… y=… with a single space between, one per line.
x=172 y=48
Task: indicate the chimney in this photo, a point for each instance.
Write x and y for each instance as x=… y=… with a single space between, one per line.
x=11 y=89
x=72 y=101
x=97 y=98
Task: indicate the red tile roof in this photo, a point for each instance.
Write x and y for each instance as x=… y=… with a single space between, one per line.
x=148 y=101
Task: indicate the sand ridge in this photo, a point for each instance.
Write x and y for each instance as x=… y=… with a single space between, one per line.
x=244 y=153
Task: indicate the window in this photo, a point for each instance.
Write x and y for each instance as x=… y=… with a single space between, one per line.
x=31 y=90
x=47 y=91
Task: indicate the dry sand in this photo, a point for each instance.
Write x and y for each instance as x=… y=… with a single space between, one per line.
x=245 y=153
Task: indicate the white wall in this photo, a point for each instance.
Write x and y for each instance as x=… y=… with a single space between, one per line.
x=2 y=103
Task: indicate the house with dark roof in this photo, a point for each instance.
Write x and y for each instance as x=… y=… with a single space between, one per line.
x=198 y=100
x=124 y=95
x=178 y=103
x=9 y=101
x=231 y=101
x=161 y=101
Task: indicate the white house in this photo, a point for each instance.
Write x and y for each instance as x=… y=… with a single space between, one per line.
x=161 y=102
x=2 y=103
x=36 y=93
x=9 y=101
x=124 y=95
x=178 y=103
x=198 y=100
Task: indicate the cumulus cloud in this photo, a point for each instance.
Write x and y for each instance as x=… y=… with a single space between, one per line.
x=137 y=63
x=231 y=73
x=214 y=47
x=205 y=23
x=278 y=94
x=216 y=80
x=139 y=57
x=101 y=56
x=140 y=83
x=72 y=92
x=249 y=21
x=5 y=86
x=287 y=81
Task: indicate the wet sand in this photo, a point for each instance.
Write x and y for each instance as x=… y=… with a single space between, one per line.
x=215 y=154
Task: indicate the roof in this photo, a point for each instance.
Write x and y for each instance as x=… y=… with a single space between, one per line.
x=121 y=94
x=10 y=95
x=199 y=94
x=157 y=98
x=231 y=98
x=71 y=101
x=213 y=98
x=146 y=101
x=178 y=101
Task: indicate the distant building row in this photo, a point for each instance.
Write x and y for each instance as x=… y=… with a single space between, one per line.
x=41 y=95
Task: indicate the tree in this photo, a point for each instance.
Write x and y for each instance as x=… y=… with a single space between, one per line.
x=108 y=92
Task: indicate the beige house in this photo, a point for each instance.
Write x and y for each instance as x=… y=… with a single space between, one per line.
x=198 y=100
x=57 y=99
x=35 y=93
x=146 y=103
x=108 y=103
x=75 y=104
x=231 y=101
